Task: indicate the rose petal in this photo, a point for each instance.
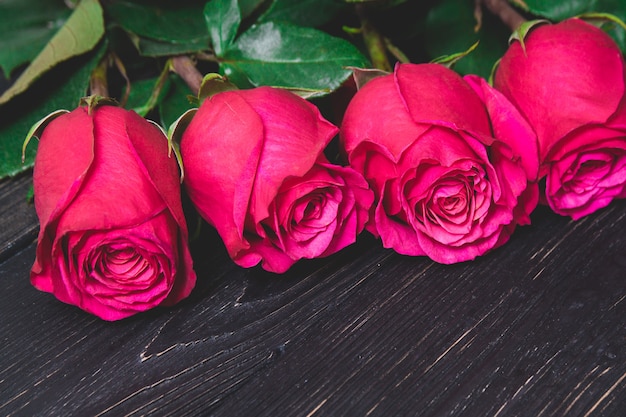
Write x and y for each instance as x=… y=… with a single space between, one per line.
x=442 y=98
x=568 y=74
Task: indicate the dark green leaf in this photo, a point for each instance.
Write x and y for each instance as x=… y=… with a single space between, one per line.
x=557 y=10
x=169 y=22
x=154 y=48
x=80 y=33
x=67 y=89
x=142 y=95
x=303 y=12
x=285 y=55
x=26 y=26
x=222 y=19
x=450 y=29
x=176 y=102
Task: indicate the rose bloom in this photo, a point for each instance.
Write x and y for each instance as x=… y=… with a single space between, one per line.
x=444 y=186
x=256 y=171
x=568 y=81
x=113 y=238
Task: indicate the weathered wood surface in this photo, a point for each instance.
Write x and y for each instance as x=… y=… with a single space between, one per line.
x=537 y=328
x=18 y=222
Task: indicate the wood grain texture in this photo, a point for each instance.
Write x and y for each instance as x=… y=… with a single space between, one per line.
x=535 y=328
x=18 y=221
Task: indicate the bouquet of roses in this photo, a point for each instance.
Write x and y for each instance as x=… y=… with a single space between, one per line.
x=432 y=162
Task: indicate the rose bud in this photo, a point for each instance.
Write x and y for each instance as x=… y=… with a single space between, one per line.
x=568 y=82
x=113 y=238
x=445 y=186
x=255 y=170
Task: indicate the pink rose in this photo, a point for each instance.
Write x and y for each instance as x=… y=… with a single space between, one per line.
x=444 y=186
x=113 y=238
x=255 y=170
x=569 y=83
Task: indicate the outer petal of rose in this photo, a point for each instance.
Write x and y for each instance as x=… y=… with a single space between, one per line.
x=295 y=133
x=272 y=258
x=447 y=254
x=375 y=163
x=164 y=177
x=618 y=119
x=221 y=149
x=394 y=233
x=364 y=120
x=433 y=92
x=443 y=146
x=56 y=184
x=116 y=191
x=568 y=74
x=586 y=137
x=508 y=125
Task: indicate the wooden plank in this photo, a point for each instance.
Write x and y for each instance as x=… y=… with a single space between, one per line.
x=535 y=328
x=18 y=221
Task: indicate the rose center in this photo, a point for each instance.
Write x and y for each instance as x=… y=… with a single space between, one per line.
x=588 y=171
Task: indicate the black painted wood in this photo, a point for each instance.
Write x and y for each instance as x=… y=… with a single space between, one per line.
x=18 y=222
x=534 y=328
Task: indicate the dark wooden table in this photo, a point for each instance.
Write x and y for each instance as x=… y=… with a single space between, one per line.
x=536 y=328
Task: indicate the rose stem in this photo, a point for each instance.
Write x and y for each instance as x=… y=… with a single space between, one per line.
x=98 y=85
x=186 y=69
x=374 y=41
x=507 y=14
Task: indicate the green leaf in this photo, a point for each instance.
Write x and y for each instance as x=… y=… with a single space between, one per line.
x=222 y=19
x=26 y=26
x=176 y=101
x=557 y=10
x=79 y=34
x=145 y=95
x=312 y=13
x=274 y=54
x=168 y=22
x=450 y=28
x=67 y=85
x=153 y=48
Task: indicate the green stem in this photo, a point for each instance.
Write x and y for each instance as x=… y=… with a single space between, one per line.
x=98 y=85
x=374 y=41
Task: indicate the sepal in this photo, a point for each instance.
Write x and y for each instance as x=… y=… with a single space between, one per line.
x=449 y=60
x=212 y=84
x=600 y=19
x=174 y=135
x=95 y=101
x=364 y=75
x=525 y=28
x=37 y=129
x=306 y=93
